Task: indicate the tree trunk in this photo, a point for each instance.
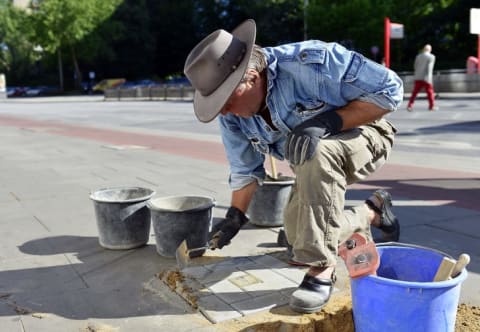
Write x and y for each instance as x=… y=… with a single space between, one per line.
x=60 y=68
x=78 y=74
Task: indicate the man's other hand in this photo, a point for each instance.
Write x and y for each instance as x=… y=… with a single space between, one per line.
x=226 y=229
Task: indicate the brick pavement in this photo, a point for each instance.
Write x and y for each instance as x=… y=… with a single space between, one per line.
x=44 y=162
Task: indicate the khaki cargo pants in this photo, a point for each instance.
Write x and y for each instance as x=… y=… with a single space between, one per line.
x=314 y=219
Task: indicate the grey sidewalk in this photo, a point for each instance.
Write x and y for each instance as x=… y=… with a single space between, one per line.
x=54 y=276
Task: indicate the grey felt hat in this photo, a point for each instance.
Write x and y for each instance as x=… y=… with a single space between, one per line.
x=216 y=66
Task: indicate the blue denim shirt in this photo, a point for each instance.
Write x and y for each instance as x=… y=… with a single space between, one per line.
x=304 y=79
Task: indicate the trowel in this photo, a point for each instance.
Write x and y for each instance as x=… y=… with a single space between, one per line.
x=183 y=254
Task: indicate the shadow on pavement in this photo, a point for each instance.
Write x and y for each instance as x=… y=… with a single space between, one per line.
x=81 y=280
x=467 y=126
x=458 y=192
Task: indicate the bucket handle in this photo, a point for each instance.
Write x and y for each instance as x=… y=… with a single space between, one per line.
x=131 y=209
x=408 y=245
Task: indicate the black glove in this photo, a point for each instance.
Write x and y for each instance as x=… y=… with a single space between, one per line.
x=226 y=229
x=303 y=139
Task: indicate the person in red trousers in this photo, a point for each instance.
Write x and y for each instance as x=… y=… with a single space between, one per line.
x=423 y=76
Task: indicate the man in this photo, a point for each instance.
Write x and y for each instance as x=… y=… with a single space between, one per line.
x=423 y=77
x=319 y=106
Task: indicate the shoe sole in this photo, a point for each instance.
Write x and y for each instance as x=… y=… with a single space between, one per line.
x=295 y=263
x=304 y=310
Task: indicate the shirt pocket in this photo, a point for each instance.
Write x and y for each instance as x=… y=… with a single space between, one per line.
x=308 y=109
x=259 y=145
x=312 y=55
x=364 y=74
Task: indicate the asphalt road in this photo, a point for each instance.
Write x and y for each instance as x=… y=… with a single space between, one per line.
x=452 y=130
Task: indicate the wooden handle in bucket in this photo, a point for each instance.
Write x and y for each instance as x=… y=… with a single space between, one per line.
x=274 y=167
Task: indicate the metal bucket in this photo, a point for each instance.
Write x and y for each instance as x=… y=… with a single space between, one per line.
x=268 y=202
x=178 y=218
x=123 y=220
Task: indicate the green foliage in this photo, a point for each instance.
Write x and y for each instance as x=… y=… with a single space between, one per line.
x=278 y=21
x=139 y=39
x=16 y=52
x=64 y=22
x=61 y=24
x=350 y=22
x=359 y=25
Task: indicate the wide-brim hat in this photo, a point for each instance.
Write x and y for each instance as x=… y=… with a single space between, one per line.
x=216 y=66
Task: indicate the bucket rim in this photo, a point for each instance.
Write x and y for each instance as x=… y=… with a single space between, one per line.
x=151 y=203
x=283 y=180
x=416 y=284
x=131 y=200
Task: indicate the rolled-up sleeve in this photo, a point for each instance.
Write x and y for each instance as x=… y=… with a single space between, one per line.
x=388 y=97
x=371 y=82
x=246 y=164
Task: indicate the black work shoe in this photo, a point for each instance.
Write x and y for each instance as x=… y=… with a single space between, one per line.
x=312 y=294
x=389 y=224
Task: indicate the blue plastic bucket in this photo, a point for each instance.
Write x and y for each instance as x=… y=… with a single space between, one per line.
x=402 y=296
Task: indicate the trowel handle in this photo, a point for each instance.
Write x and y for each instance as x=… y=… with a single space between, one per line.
x=274 y=167
x=198 y=249
x=462 y=261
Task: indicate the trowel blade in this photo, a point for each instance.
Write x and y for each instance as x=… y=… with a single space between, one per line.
x=182 y=255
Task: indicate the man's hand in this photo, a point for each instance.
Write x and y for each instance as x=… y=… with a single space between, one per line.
x=303 y=139
x=226 y=229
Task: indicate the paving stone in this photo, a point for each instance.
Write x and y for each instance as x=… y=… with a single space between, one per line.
x=294 y=274
x=197 y=272
x=228 y=291
x=269 y=261
x=11 y=323
x=271 y=281
x=51 y=272
x=261 y=303
x=216 y=310
x=223 y=270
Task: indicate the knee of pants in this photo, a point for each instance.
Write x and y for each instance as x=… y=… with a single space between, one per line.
x=324 y=161
x=319 y=177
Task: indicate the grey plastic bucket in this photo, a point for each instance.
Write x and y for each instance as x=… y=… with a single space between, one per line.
x=178 y=218
x=123 y=220
x=268 y=202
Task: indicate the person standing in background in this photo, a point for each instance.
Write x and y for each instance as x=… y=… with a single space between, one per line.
x=423 y=76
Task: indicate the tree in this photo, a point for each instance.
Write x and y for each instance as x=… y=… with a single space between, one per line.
x=349 y=22
x=151 y=38
x=278 y=21
x=60 y=24
x=16 y=52
x=358 y=24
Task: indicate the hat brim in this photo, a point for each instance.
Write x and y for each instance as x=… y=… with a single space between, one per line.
x=206 y=108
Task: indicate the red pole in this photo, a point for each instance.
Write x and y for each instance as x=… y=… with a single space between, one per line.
x=478 y=55
x=387 y=41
